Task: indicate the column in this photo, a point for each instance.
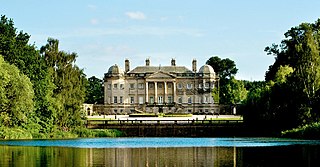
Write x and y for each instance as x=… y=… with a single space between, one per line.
x=147 y=92
x=165 y=92
x=155 y=92
x=174 y=92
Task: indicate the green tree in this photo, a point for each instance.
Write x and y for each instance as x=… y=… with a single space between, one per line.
x=94 y=91
x=69 y=81
x=15 y=49
x=300 y=50
x=16 y=96
x=226 y=70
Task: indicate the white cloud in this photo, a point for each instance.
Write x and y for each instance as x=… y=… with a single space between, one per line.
x=94 y=21
x=136 y=15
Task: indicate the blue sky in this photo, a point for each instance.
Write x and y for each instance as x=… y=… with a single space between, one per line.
x=107 y=32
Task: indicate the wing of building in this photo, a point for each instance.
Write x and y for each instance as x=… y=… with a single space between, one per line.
x=154 y=89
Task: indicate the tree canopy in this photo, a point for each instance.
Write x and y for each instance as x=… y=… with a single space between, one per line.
x=231 y=91
x=16 y=96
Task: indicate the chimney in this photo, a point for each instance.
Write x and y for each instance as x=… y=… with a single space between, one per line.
x=194 y=65
x=126 y=66
x=173 y=62
x=147 y=62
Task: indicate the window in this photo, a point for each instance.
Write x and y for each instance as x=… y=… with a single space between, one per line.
x=115 y=111
x=189 y=111
x=180 y=100
x=140 y=100
x=115 y=100
x=200 y=99
x=121 y=86
x=160 y=100
x=132 y=86
x=151 y=100
x=206 y=99
x=207 y=85
x=140 y=85
x=169 y=85
x=200 y=85
x=151 y=85
x=160 y=85
x=189 y=85
x=109 y=86
x=120 y=100
x=115 y=86
x=189 y=100
x=179 y=85
x=131 y=100
x=169 y=99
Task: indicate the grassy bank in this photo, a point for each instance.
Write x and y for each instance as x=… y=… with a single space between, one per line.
x=309 y=131
x=20 y=133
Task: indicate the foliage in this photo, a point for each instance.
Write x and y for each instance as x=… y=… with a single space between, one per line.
x=94 y=91
x=51 y=100
x=14 y=133
x=16 y=94
x=309 y=131
x=226 y=69
x=291 y=95
x=69 y=83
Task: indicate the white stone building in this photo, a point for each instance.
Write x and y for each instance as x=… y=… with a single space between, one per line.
x=154 y=89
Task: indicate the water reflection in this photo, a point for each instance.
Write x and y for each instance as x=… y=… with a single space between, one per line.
x=191 y=156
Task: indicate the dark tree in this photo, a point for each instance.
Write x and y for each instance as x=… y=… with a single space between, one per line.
x=94 y=91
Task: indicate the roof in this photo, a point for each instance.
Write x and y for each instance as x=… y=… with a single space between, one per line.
x=166 y=69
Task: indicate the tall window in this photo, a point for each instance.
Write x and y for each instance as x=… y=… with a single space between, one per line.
x=120 y=100
x=140 y=85
x=140 y=100
x=169 y=99
x=109 y=86
x=115 y=86
x=115 y=100
x=180 y=100
x=189 y=100
x=169 y=85
x=131 y=100
x=179 y=85
x=189 y=85
x=132 y=86
x=160 y=100
x=151 y=85
x=121 y=86
x=151 y=99
x=160 y=85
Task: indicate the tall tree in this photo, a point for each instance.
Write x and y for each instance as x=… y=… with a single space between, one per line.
x=226 y=70
x=94 y=91
x=16 y=96
x=15 y=49
x=69 y=80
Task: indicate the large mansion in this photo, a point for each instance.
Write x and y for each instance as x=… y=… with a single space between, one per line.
x=156 y=89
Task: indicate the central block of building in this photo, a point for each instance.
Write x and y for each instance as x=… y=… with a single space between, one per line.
x=156 y=89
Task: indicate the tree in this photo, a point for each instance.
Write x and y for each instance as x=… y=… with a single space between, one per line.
x=69 y=81
x=94 y=91
x=15 y=50
x=226 y=70
x=16 y=96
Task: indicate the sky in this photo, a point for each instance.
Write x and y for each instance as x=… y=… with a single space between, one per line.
x=106 y=32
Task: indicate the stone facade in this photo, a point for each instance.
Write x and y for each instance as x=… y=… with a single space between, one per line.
x=154 y=89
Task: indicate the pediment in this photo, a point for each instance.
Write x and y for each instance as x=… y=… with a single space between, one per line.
x=160 y=75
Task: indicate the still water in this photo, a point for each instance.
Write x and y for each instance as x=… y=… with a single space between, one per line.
x=161 y=152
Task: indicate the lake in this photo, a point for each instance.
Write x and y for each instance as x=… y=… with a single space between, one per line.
x=160 y=152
